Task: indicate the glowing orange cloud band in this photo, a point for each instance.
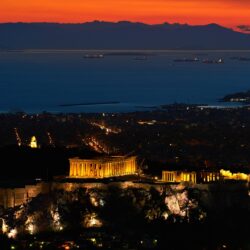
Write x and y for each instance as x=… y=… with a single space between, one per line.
x=226 y=12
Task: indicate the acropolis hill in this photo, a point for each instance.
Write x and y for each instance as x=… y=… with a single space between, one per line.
x=90 y=173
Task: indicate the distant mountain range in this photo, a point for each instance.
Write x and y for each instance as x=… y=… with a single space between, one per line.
x=120 y=35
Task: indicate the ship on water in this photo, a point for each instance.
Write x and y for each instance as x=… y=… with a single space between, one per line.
x=94 y=56
x=196 y=59
x=246 y=59
x=208 y=61
x=141 y=58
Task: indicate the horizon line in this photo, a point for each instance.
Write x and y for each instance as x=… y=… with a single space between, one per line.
x=119 y=21
x=234 y=28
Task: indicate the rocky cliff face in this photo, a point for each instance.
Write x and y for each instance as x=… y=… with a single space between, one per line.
x=119 y=207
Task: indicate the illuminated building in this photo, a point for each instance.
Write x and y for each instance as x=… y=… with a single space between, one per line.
x=33 y=142
x=193 y=177
x=11 y=197
x=178 y=176
x=203 y=176
x=228 y=175
x=208 y=176
x=103 y=167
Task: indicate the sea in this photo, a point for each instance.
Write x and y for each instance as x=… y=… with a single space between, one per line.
x=67 y=81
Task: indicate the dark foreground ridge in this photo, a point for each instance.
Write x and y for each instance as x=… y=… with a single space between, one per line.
x=130 y=218
x=120 y=35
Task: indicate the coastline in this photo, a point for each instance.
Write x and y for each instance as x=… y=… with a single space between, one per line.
x=119 y=107
x=88 y=104
x=52 y=50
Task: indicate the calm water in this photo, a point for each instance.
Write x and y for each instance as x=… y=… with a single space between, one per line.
x=36 y=82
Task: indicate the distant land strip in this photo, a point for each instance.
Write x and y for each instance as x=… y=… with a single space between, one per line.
x=87 y=104
x=129 y=53
x=120 y=36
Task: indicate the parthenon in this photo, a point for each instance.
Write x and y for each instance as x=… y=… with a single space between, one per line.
x=102 y=167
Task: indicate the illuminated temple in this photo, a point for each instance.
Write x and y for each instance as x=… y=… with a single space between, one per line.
x=203 y=176
x=194 y=177
x=102 y=167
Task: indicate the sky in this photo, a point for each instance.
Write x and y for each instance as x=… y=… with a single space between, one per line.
x=229 y=13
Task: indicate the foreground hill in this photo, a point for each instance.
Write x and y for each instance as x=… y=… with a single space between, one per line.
x=120 y=35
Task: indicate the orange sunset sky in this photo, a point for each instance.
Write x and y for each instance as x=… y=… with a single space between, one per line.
x=229 y=13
